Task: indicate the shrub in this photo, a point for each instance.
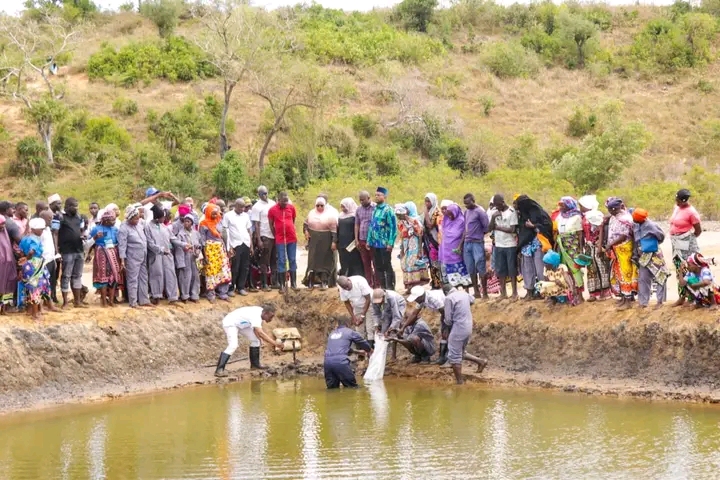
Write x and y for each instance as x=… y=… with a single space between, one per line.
x=125 y=106
x=602 y=157
x=711 y=6
x=386 y=161
x=578 y=37
x=581 y=122
x=340 y=139
x=488 y=104
x=705 y=86
x=510 y=60
x=163 y=13
x=173 y=59
x=428 y=136
x=105 y=131
x=416 y=14
x=229 y=177
x=333 y=36
x=30 y=158
x=364 y=125
x=524 y=154
x=456 y=154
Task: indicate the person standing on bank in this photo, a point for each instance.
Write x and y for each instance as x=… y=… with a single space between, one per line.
x=321 y=234
x=264 y=239
x=133 y=252
x=217 y=266
x=685 y=228
x=651 y=263
x=350 y=261
x=8 y=269
x=458 y=317
x=282 y=224
x=71 y=233
x=238 y=226
x=337 y=364
x=535 y=234
x=504 y=223
x=355 y=293
x=247 y=321
x=161 y=264
x=107 y=275
x=50 y=253
x=186 y=260
x=363 y=217
x=382 y=233
x=476 y=225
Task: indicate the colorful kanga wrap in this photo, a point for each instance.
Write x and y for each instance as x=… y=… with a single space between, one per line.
x=36 y=280
x=414 y=265
x=106 y=268
x=217 y=268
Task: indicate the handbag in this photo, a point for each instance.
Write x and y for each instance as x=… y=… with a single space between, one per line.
x=649 y=244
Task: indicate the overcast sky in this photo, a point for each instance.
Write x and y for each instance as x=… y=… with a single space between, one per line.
x=14 y=6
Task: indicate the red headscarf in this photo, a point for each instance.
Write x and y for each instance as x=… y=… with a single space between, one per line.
x=209 y=222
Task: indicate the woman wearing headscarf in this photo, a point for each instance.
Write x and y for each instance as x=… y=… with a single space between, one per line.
x=161 y=265
x=558 y=286
x=107 y=275
x=33 y=272
x=8 y=269
x=350 y=261
x=685 y=228
x=623 y=271
x=132 y=250
x=533 y=220
x=187 y=257
x=453 y=269
x=432 y=220
x=651 y=263
x=218 y=274
x=413 y=263
x=321 y=234
x=570 y=240
x=598 y=270
x=700 y=282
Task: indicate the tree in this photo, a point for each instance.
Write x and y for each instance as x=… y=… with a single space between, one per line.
x=163 y=13
x=284 y=87
x=29 y=50
x=416 y=14
x=580 y=34
x=237 y=40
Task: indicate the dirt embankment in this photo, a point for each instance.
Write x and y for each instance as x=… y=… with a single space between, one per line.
x=97 y=353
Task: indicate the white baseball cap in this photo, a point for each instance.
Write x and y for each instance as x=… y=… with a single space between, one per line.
x=416 y=292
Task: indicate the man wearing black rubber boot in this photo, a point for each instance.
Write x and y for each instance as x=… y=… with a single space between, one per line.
x=432 y=300
x=248 y=322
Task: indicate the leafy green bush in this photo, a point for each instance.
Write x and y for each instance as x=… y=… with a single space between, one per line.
x=581 y=122
x=125 y=106
x=429 y=136
x=30 y=158
x=333 y=36
x=105 y=131
x=488 y=104
x=341 y=139
x=173 y=59
x=294 y=170
x=456 y=154
x=364 y=125
x=603 y=156
x=163 y=13
x=524 y=154
x=579 y=38
x=510 y=60
x=386 y=160
x=711 y=6
x=229 y=177
x=416 y=14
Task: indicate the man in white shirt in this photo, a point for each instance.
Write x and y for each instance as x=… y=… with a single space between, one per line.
x=248 y=322
x=264 y=238
x=504 y=223
x=356 y=293
x=238 y=226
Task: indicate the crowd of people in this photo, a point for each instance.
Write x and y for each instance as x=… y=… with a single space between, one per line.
x=163 y=248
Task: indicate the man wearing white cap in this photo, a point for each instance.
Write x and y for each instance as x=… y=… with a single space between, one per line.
x=389 y=309
x=432 y=300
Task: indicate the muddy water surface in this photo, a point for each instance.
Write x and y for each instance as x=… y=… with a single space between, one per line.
x=402 y=429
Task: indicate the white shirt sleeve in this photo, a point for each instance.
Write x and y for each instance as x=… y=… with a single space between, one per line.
x=512 y=219
x=365 y=288
x=255 y=213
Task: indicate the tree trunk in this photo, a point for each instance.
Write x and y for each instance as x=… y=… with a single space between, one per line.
x=581 y=54
x=45 y=130
x=263 y=151
x=224 y=147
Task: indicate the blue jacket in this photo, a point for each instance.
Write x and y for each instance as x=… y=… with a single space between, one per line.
x=339 y=342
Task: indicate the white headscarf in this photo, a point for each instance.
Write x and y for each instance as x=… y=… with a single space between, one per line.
x=446 y=203
x=589 y=202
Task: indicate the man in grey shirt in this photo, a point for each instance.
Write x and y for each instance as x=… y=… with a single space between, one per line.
x=388 y=310
x=458 y=316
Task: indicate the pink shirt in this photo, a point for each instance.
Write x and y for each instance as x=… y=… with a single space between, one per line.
x=683 y=220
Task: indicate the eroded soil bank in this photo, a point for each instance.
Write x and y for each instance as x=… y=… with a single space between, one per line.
x=85 y=355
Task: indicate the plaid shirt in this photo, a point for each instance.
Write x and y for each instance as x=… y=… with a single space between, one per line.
x=363 y=215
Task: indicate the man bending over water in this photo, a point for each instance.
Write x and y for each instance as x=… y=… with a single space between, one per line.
x=458 y=317
x=416 y=336
x=337 y=364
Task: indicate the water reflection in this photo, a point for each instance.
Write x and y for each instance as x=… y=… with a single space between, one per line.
x=394 y=429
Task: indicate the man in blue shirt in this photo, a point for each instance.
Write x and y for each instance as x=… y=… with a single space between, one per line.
x=337 y=364
x=381 y=236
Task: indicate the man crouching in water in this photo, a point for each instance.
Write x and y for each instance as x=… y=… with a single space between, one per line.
x=246 y=321
x=458 y=317
x=337 y=364
x=416 y=336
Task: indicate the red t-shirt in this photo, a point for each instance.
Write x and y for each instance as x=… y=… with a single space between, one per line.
x=683 y=220
x=283 y=222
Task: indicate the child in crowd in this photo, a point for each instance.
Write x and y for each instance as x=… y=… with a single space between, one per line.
x=700 y=282
x=558 y=286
